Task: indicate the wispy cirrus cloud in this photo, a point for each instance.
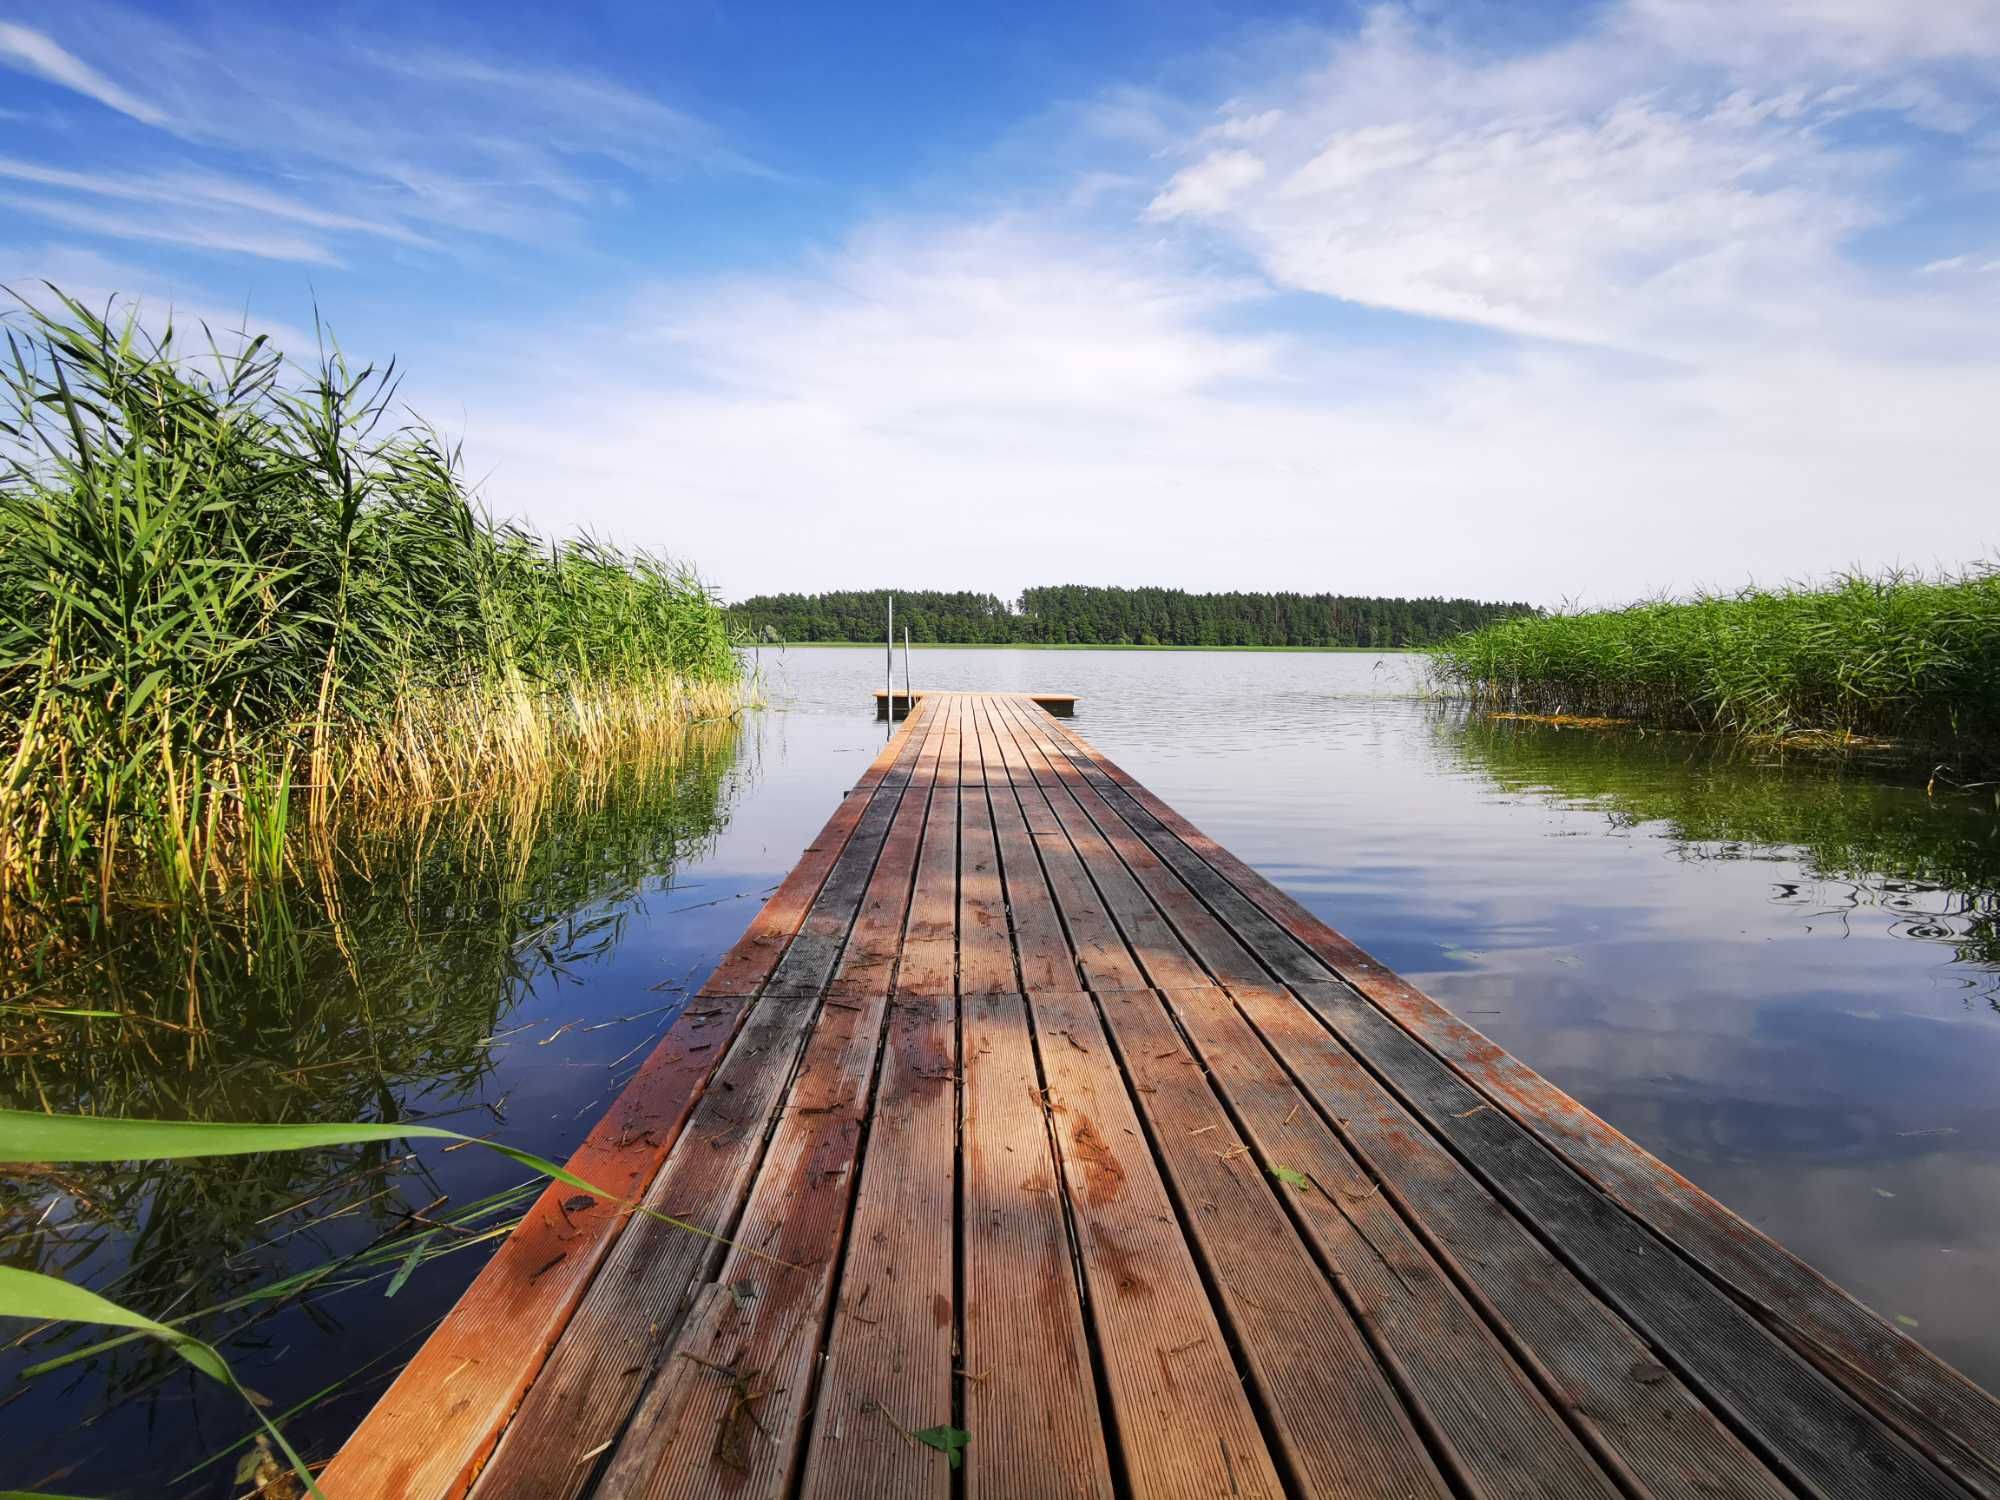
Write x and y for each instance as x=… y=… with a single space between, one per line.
x=196 y=231
x=205 y=191
x=118 y=287
x=1580 y=319
x=1642 y=184
x=1387 y=306
x=428 y=146
x=26 y=50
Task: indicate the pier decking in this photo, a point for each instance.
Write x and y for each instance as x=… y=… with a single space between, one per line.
x=1025 y=1113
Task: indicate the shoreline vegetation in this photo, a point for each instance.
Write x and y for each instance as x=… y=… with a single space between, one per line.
x=1900 y=661
x=1079 y=615
x=246 y=605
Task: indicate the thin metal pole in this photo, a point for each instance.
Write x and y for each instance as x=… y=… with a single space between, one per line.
x=909 y=698
x=889 y=665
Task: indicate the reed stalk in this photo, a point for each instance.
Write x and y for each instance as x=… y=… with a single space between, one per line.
x=243 y=601
x=1903 y=658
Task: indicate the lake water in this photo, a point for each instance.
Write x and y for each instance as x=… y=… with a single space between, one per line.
x=1781 y=977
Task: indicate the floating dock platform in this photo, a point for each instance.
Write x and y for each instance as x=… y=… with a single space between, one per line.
x=1029 y=1144
x=1062 y=705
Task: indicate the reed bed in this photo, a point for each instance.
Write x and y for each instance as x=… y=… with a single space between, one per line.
x=1902 y=658
x=243 y=600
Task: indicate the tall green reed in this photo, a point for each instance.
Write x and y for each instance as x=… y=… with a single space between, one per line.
x=242 y=599
x=1900 y=657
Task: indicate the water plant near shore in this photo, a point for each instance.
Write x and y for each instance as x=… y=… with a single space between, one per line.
x=1899 y=657
x=242 y=601
x=390 y=995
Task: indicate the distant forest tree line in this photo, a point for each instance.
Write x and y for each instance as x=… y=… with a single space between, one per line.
x=1073 y=614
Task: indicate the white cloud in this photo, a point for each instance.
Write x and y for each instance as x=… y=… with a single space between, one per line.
x=426 y=144
x=30 y=51
x=993 y=405
x=1569 y=194
x=101 y=282
x=1211 y=185
x=1685 y=378
x=201 y=232
x=1790 y=35
x=1623 y=341
x=183 y=188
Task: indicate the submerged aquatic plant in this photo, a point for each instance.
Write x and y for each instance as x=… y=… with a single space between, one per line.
x=1896 y=657
x=380 y=988
x=242 y=600
x=27 y=1137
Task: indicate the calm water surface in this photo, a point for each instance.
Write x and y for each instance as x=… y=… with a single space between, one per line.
x=1783 y=979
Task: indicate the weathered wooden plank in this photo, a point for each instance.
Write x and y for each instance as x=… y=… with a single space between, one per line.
x=1801 y=1421
x=418 y=1442
x=930 y=944
x=1030 y=1395
x=1101 y=954
x=1590 y=1384
x=1499 y=1432
x=1923 y=1396
x=1339 y=1423
x=1277 y=954
x=1208 y=939
x=890 y=1346
x=874 y=944
x=724 y=1416
x=1158 y=949
x=985 y=942
x=1605 y=1375
x=746 y=967
x=1040 y=946
x=610 y=1348
x=889 y=1357
x=1183 y=1424
x=1496 y=1286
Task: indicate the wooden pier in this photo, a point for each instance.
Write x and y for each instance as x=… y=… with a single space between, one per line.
x=1062 y=705
x=1027 y=1117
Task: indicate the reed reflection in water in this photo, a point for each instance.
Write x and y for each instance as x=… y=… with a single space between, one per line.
x=380 y=983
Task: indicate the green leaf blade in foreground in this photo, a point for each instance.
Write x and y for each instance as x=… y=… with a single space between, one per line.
x=28 y=1136
x=30 y=1294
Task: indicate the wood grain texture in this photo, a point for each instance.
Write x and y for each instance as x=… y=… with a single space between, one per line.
x=1902 y=1381
x=889 y=1360
x=929 y=964
x=1160 y=954
x=1340 y=1425
x=1501 y=1433
x=874 y=945
x=1464 y=1283
x=1101 y=954
x=1185 y=1426
x=1029 y=1389
x=1802 y=1422
x=632 y=1311
x=1041 y=948
x=1606 y=1375
x=1200 y=934
x=888 y=1367
x=437 y=1423
x=726 y=1412
x=985 y=940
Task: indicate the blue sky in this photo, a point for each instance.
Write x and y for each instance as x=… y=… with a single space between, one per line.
x=1557 y=302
